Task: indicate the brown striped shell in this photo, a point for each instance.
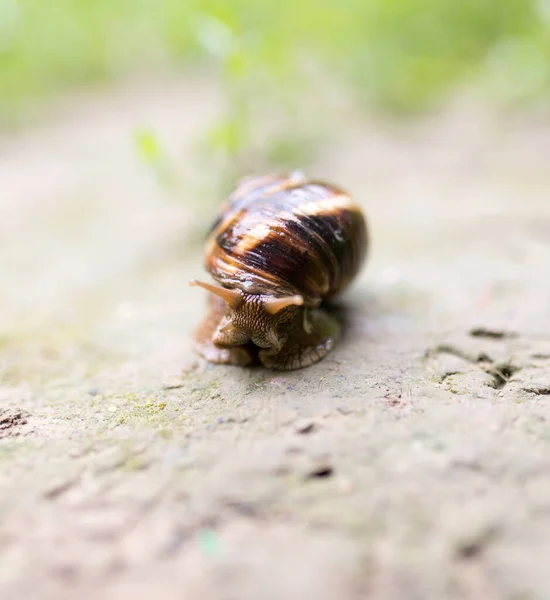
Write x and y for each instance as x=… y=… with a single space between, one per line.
x=281 y=235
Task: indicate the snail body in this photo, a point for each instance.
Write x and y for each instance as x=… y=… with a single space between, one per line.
x=280 y=247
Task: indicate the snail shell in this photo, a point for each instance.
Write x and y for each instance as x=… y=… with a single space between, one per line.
x=281 y=245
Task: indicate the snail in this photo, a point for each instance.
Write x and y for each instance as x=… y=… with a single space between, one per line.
x=281 y=246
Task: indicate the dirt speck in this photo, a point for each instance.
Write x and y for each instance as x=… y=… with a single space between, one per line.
x=304 y=426
x=492 y=334
x=11 y=419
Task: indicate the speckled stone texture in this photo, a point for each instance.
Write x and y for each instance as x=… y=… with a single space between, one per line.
x=412 y=464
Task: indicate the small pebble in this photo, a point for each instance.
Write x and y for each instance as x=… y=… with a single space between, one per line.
x=173 y=383
x=304 y=426
x=94 y=391
x=112 y=408
x=320 y=468
x=321 y=471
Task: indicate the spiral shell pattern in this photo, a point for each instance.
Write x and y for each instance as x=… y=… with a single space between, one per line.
x=287 y=234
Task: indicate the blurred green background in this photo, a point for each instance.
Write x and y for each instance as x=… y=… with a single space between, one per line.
x=396 y=56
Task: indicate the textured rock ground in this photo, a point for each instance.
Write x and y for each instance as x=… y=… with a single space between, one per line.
x=411 y=464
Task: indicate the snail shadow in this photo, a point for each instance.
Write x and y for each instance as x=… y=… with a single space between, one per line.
x=363 y=322
x=345 y=313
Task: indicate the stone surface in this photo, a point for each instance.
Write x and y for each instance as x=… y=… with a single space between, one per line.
x=412 y=463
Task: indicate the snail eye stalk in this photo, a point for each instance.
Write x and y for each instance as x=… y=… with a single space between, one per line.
x=273 y=305
x=232 y=297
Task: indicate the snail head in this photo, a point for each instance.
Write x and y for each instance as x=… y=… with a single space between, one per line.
x=252 y=317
